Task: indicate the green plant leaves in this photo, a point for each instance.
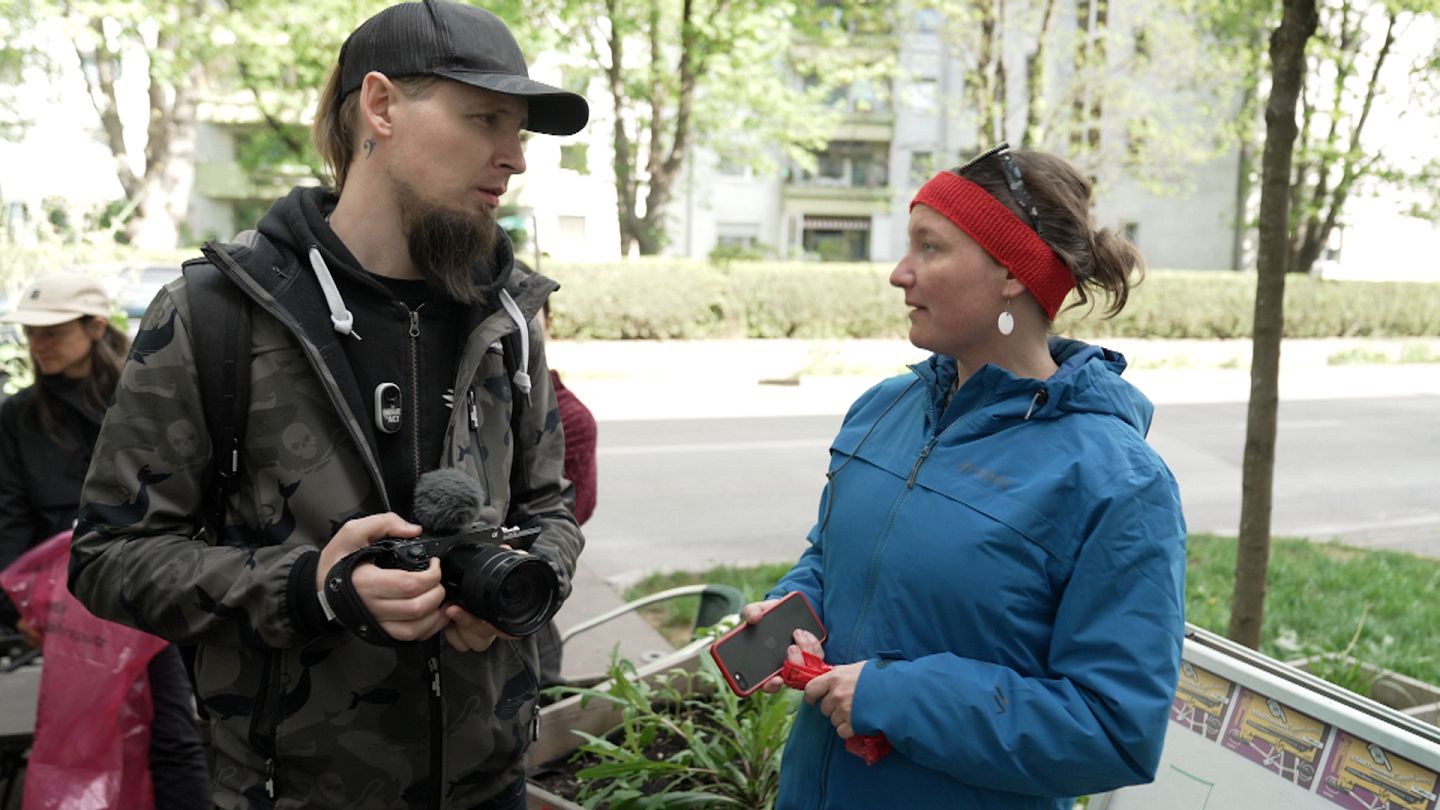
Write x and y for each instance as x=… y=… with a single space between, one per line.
x=684 y=740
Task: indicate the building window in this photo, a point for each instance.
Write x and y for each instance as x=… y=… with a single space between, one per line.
x=927 y=21
x=868 y=96
x=922 y=167
x=1142 y=43
x=923 y=94
x=837 y=239
x=853 y=164
x=575 y=157
x=737 y=234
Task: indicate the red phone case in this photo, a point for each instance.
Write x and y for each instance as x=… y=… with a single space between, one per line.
x=738 y=653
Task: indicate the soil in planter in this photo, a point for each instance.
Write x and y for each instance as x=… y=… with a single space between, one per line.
x=559 y=778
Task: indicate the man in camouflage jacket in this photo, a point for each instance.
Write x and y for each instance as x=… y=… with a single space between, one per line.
x=421 y=124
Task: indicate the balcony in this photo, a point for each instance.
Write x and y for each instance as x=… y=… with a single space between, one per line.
x=835 y=201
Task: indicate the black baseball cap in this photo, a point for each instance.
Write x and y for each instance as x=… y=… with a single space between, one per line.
x=460 y=42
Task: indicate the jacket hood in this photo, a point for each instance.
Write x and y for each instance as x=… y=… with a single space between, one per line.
x=297 y=221
x=1087 y=381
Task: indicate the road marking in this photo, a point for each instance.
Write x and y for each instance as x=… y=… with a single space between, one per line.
x=714 y=447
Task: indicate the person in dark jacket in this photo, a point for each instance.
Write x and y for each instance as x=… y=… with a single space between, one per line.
x=578 y=425
x=390 y=336
x=47 y=433
x=999 y=556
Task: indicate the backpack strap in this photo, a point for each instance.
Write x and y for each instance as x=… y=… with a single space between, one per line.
x=220 y=327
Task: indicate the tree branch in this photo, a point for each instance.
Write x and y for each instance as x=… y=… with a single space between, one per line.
x=101 y=89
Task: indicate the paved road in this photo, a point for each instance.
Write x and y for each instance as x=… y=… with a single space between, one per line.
x=692 y=493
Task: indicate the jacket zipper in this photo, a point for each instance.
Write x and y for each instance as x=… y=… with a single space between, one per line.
x=415 y=385
x=432 y=660
x=919 y=460
x=265 y=722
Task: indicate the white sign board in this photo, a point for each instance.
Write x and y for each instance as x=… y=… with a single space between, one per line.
x=1249 y=733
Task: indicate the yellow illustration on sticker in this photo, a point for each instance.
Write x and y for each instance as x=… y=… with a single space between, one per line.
x=1281 y=726
x=1202 y=690
x=1366 y=769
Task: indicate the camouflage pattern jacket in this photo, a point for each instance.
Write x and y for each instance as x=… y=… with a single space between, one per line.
x=302 y=713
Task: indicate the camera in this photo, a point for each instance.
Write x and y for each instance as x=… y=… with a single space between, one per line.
x=516 y=591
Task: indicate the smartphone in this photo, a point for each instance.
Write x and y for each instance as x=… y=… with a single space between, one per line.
x=751 y=654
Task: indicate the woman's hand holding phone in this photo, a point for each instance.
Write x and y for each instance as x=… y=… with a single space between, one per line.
x=803 y=640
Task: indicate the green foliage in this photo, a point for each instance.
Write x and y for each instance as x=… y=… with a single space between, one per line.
x=15 y=372
x=724 y=255
x=684 y=741
x=276 y=56
x=670 y=299
x=1342 y=669
x=1398 y=596
x=715 y=73
x=686 y=299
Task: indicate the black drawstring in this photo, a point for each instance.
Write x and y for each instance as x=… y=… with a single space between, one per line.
x=1041 y=397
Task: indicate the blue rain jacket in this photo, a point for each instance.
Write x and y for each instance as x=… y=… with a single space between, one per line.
x=1012 y=572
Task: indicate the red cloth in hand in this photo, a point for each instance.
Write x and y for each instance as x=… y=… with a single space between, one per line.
x=869 y=747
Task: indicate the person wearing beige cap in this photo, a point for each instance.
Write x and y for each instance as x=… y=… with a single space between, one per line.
x=47 y=434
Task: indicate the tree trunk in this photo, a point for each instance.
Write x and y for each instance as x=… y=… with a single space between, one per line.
x=102 y=96
x=1034 y=134
x=624 y=157
x=984 y=80
x=1287 y=59
x=158 y=195
x=664 y=165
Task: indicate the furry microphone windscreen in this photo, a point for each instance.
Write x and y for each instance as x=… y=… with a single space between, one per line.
x=446 y=500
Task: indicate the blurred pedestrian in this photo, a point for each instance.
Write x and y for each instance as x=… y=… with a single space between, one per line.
x=578 y=425
x=47 y=434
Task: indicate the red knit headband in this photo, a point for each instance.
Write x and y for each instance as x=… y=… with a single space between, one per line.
x=1008 y=240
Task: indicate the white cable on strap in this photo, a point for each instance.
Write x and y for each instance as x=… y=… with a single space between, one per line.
x=522 y=377
x=340 y=317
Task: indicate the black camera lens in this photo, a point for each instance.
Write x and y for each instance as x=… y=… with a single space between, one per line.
x=514 y=591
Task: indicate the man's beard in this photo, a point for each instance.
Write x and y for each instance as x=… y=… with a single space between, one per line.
x=452 y=250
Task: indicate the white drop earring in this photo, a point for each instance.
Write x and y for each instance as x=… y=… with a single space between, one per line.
x=1006 y=322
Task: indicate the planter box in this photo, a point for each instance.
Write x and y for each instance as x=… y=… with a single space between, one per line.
x=560 y=720
x=1409 y=696
x=538 y=798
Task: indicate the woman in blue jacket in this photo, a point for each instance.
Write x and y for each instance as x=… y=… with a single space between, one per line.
x=999 y=556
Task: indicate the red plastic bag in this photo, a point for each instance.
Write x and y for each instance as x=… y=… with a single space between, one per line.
x=870 y=747
x=92 y=724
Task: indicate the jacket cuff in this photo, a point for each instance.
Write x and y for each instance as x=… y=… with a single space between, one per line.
x=302 y=598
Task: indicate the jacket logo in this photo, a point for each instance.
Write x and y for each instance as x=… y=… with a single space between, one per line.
x=993 y=479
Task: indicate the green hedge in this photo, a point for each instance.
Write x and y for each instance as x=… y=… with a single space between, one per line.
x=676 y=299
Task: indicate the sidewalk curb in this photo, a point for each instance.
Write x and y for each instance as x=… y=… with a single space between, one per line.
x=631 y=380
